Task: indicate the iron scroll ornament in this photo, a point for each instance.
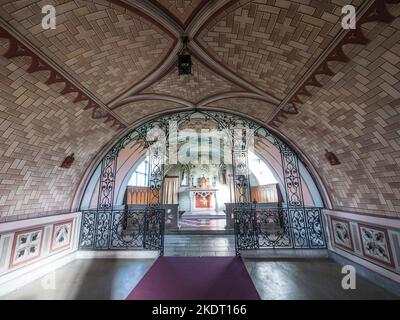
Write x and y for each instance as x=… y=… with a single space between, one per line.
x=270 y=228
x=301 y=223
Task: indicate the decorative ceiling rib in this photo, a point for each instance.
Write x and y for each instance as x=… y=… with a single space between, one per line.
x=255 y=108
x=376 y=11
x=103 y=45
x=271 y=46
x=15 y=49
x=182 y=11
x=203 y=83
x=252 y=57
x=136 y=110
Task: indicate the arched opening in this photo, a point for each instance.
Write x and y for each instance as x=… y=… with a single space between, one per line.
x=205 y=171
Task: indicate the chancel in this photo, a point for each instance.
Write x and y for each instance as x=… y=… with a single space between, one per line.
x=199 y=150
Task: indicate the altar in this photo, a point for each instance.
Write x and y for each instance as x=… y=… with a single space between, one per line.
x=203 y=200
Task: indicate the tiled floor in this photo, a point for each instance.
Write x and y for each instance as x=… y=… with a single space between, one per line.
x=277 y=277
x=86 y=279
x=306 y=279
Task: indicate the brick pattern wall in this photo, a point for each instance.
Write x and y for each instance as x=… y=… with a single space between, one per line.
x=201 y=84
x=135 y=111
x=257 y=109
x=105 y=47
x=38 y=129
x=272 y=43
x=357 y=116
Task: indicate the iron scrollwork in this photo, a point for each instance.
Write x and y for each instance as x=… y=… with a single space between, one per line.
x=258 y=228
x=122 y=229
x=107 y=182
x=298 y=224
x=241 y=177
x=88 y=224
x=295 y=226
x=156 y=175
x=245 y=229
x=273 y=228
x=315 y=228
x=102 y=229
x=127 y=229
x=292 y=178
x=154 y=229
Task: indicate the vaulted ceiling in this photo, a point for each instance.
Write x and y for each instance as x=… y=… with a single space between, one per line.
x=284 y=63
x=112 y=53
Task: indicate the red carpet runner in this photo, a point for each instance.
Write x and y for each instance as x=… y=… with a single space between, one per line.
x=196 y=278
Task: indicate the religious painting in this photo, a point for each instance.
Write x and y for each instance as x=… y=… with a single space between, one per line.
x=27 y=246
x=375 y=245
x=342 y=234
x=203 y=201
x=61 y=236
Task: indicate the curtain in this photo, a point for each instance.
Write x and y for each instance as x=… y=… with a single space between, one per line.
x=266 y=193
x=170 y=192
x=136 y=195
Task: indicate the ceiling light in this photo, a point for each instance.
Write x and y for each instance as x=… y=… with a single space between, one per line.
x=184 y=59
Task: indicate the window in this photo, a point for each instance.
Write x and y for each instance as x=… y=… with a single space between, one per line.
x=140 y=176
x=261 y=170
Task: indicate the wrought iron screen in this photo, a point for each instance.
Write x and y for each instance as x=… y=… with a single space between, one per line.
x=295 y=226
x=278 y=228
x=122 y=229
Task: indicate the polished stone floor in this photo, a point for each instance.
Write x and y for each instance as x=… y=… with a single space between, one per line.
x=86 y=279
x=304 y=276
x=308 y=279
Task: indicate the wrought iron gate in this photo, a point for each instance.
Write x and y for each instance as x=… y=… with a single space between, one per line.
x=106 y=228
x=294 y=226
x=122 y=229
x=258 y=228
x=245 y=229
x=153 y=231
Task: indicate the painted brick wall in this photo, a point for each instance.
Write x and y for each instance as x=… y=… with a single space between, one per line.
x=357 y=116
x=102 y=45
x=38 y=129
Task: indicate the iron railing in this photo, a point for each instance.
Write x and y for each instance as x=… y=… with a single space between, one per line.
x=122 y=229
x=264 y=228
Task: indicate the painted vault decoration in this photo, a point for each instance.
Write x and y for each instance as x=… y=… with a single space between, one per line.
x=342 y=234
x=375 y=245
x=61 y=236
x=27 y=246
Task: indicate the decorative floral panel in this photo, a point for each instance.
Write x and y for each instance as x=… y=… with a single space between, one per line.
x=375 y=245
x=27 y=246
x=341 y=233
